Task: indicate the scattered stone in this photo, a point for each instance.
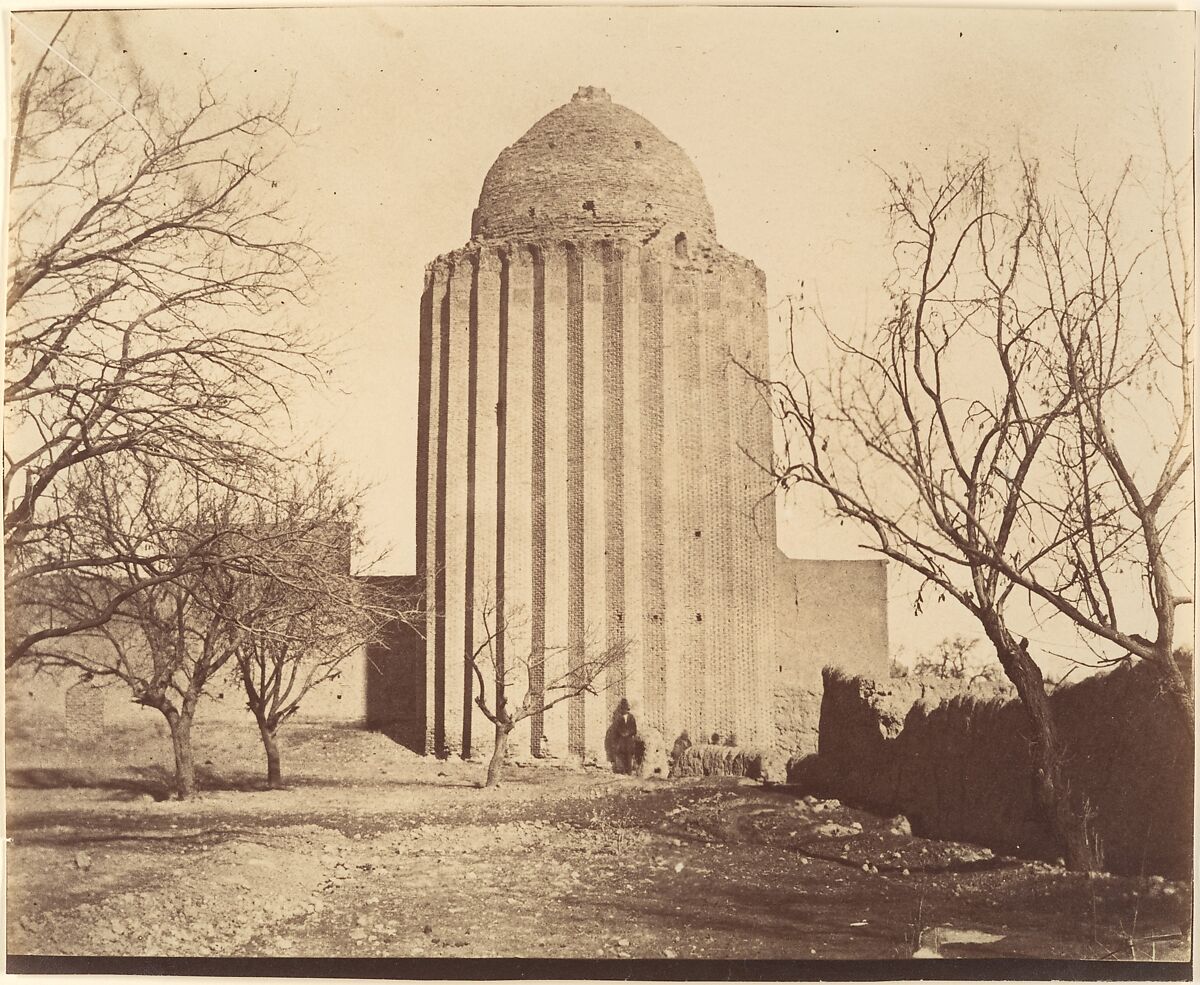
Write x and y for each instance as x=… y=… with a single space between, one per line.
x=830 y=829
x=899 y=825
x=83 y=861
x=669 y=953
x=678 y=866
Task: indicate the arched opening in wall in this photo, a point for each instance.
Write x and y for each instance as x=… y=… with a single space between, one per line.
x=681 y=249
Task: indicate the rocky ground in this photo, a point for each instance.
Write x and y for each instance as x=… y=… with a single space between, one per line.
x=373 y=851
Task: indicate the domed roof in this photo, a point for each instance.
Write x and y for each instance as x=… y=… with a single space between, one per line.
x=592 y=168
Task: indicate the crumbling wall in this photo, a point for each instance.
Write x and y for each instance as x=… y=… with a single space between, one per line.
x=707 y=759
x=960 y=768
x=797 y=720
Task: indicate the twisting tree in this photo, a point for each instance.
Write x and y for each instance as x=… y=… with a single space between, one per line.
x=150 y=263
x=1119 y=485
x=565 y=673
x=161 y=636
x=300 y=610
x=930 y=428
x=975 y=434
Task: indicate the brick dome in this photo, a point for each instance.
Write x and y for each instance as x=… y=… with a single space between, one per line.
x=593 y=168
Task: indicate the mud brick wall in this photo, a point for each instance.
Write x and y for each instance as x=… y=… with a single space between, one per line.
x=959 y=768
x=830 y=614
x=797 y=720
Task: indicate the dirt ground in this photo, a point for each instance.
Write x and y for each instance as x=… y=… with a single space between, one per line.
x=373 y=852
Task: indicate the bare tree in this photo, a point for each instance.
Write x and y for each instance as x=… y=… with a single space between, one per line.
x=1119 y=496
x=162 y=637
x=301 y=611
x=953 y=659
x=932 y=429
x=150 y=259
x=565 y=672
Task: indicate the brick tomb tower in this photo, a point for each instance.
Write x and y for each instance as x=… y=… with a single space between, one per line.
x=583 y=436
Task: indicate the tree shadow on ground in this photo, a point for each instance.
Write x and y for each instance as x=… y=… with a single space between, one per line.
x=159 y=781
x=137 y=781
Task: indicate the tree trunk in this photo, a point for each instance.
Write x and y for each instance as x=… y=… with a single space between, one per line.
x=1179 y=688
x=270 y=743
x=1069 y=823
x=496 y=764
x=181 y=743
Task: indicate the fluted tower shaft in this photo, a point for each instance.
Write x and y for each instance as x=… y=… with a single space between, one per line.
x=588 y=448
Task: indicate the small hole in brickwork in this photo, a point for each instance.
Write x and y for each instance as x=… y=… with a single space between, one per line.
x=697 y=533
x=781 y=668
x=589 y=206
x=532 y=212
x=699 y=618
x=681 y=249
x=220 y=695
x=649 y=207
x=339 y=697
x=637 y=144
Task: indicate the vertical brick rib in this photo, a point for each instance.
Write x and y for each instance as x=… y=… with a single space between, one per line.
x=501 y=462
x=760 y=438
x=631 y=474
x=436 y=570
x=484 y=472
x=576 y=629
x=537 y=498
x=521 y=509
x=742 y=601
x=557 y=522
x=459 y=451
x=717 y=491
x=596 y=611
x=653 y=616
x=430 y=338
x=614 y=467
x=424 y=397
x=684 y=523
x=468 y=629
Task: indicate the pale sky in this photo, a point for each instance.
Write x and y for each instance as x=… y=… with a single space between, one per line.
x=787 y=114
